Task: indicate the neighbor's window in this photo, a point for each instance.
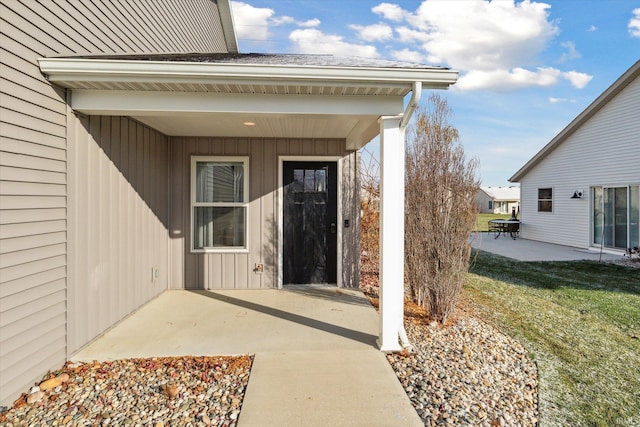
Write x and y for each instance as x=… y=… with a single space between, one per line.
x=545 y=200
x=219 y=201
x=490 y=205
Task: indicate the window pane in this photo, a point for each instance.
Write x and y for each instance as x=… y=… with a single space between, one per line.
x=608 y=214
x=545 y=193
x=598 y=215
x=219 y=182
x=309 y=180
x=545 y=206
x=218 y=227
x=321 y=180
x=620 y=217
x=298 y=181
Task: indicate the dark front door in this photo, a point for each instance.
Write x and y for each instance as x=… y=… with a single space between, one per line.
x=310 y=222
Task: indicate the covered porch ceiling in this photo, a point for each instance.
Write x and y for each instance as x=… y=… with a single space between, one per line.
x=308 y=96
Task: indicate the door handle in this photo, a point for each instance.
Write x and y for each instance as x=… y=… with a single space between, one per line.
x=333 y=228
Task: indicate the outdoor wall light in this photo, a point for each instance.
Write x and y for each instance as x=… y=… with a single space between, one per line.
x=249 y=123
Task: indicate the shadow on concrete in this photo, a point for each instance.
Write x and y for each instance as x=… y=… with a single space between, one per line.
x=329 y=293
x=292 y=317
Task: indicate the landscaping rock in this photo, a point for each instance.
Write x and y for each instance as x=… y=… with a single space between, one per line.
x=50 y=383
x=470 y=374
x=35 y=397
x=137 y=392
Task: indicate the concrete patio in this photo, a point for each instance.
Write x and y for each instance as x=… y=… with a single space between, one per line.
x=316 y=359
x=531 y=250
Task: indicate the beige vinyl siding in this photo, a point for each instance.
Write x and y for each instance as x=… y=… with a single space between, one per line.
x=603 y=151
x=235 y=270
x=115 y=26
x=483 y=199
x=117 y=220
x=32 y=215
x=33 y=175
x=351 y=211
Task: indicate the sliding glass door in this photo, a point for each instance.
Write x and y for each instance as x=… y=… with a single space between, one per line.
x=616 y=215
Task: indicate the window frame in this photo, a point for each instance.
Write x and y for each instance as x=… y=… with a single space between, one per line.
x=550 y=200
x=244 y=204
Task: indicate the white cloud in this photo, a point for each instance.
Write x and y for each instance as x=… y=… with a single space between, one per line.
x=482 y=35
x=282 y=20
x=312 y=40
x=518 y=78
x=375 y=32
x=251 y=22
x=634 y=23
x=571 y=52
x=592 y=28
x=408 y=55
x=506 y=80
x=389 y=11
x=495 y=44
x=407 y=35
x=553 y=100
x=577 y=79
x=310 y=23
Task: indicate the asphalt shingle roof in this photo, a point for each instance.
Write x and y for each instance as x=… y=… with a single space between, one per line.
x=269 y=59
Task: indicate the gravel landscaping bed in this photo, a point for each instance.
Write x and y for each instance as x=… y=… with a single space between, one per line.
x=467 y=374
x=167 y=391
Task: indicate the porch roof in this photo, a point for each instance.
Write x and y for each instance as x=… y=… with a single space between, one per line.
x=305 y=96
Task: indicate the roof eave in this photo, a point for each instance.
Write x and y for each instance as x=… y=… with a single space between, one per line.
x=69 y=69
x=589 y=112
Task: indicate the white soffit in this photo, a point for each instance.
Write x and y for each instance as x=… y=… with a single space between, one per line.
x=214 y=99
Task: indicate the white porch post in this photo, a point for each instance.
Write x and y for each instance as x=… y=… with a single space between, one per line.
x=391 y=233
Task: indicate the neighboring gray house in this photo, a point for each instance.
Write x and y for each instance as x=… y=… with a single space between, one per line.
x=140 y=152
x=583 y=188
x=498 y=200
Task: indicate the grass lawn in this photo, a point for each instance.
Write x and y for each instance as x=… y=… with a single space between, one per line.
x=581 y=322
x=484 y=218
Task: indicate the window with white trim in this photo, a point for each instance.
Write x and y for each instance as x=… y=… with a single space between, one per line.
x=219 y=203
x=545 y=199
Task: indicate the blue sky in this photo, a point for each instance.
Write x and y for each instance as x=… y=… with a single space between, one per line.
x=527 y=68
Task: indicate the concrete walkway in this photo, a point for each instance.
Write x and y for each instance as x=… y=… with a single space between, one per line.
x=531 y=250
x=316 y=362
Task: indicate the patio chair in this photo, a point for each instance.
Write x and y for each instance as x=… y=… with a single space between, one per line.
x=493 y=227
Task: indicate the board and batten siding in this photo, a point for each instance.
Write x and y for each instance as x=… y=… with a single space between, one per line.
x=118 y=222
x=33 y=163
x=605 y=150
x=236 y=270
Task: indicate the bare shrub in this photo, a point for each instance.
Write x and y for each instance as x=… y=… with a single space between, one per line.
x=440 y=210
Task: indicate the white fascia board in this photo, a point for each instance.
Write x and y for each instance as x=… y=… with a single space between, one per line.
x=105 y=70
x=121 y=102
x=226 y=19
